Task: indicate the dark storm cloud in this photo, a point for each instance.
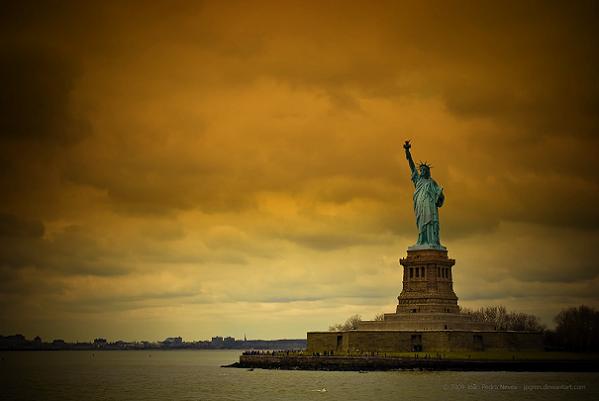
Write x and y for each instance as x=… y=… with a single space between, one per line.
x=531 y=66
x=35 y=103
x=38 y=123
x=146 y=299
x=12 y=226
x=70 y=253
x=563 y=103
x=331 y=241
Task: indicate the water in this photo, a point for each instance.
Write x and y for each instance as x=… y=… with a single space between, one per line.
x=196 y=375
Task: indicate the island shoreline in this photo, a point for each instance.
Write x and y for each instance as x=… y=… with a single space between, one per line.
x=380 y=363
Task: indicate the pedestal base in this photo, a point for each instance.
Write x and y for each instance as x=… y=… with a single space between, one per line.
x=427 y=301
x=426 y=322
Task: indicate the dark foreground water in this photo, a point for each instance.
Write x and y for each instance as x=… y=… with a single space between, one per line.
x=196 y=375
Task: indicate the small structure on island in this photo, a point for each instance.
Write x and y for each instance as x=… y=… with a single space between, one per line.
x=427 y=317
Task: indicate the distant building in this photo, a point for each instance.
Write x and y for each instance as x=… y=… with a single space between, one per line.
x=100 y=343
x=12 y=342
x=120 y=344
x=173 y=342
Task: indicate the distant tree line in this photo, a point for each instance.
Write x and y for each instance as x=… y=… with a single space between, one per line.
x=504 y=320
x=350 y=324
x=577 y=328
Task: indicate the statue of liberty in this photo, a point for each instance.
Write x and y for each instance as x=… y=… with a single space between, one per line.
x=428 y=197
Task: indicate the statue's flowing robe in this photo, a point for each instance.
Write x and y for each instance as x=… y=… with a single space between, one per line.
x=428 y=197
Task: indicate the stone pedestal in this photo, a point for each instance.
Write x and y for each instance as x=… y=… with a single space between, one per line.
x=427 y=301
x=427 y=283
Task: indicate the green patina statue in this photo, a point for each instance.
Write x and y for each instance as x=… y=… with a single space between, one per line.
x=428 y=197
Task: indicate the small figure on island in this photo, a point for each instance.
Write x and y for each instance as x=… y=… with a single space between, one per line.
x=428 y=197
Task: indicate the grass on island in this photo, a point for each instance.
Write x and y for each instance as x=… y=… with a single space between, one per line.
x=479 y=355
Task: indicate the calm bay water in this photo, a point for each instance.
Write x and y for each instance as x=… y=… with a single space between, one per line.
x=197 y=375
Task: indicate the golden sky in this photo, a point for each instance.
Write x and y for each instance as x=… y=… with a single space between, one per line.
x=206 y=168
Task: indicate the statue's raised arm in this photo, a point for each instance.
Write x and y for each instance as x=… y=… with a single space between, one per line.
x=407 y=147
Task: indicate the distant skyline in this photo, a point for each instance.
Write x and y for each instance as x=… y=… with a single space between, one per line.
x=184 y=168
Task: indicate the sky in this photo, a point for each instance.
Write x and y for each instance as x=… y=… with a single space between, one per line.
x=226 y=168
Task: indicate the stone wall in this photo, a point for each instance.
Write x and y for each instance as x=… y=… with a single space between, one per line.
x=425 y=341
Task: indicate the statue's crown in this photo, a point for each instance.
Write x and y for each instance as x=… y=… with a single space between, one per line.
x=425 y=164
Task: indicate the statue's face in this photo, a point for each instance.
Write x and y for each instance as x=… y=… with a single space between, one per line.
x=425 y=172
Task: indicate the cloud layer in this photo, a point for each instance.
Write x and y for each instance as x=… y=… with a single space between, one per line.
x=193 y=170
